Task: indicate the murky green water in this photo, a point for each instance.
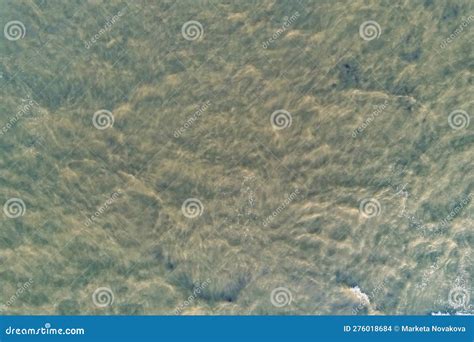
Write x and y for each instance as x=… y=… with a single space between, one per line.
x=221 y=157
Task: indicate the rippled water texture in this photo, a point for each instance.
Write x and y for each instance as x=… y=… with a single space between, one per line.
x=236 y=157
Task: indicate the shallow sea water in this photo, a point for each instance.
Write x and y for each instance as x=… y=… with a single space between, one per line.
x=222 y=157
